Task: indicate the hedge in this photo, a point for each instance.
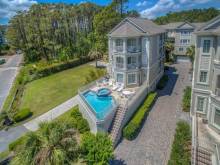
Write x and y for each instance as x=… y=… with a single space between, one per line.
x=40 y=72
x=2 y=61
x=163 y=82
x=186 y=99
x=132 y=128
x=22 y=114
x=79 y=122
x=181 y=148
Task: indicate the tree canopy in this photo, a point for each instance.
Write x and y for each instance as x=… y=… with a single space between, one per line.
x=194 y=15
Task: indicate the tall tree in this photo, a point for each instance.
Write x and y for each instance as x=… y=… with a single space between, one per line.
x=120 y=6
x=54 y=143
x=190 y=51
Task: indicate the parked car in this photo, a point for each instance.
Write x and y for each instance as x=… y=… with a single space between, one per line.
x=2 y=61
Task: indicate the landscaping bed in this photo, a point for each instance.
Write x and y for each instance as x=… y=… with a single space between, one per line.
x=132 y=128
x=163 y=82
x=186 y=101
x=181 y=148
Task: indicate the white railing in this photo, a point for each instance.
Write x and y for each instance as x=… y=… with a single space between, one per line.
x=119 y=65
x=118 y=49
x=133 y=49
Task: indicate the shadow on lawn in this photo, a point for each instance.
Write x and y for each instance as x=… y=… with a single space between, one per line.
x=117 y=162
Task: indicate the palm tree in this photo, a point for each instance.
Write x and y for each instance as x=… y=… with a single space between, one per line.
x=54 y=143
x=169 y=48
x=190 y=51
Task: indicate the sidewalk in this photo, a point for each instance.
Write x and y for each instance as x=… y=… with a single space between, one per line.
x=6 y=137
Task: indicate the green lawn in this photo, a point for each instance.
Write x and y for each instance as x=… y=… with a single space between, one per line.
x=46 y=93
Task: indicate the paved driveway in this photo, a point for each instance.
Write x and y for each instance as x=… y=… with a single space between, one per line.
x=8 y=72
x=153 y=144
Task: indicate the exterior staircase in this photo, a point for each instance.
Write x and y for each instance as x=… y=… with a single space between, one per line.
x=203 y=157
x=117 y=122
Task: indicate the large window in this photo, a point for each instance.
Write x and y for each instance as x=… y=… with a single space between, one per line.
x=200 y=104
x=119 y=62
x=132 y=78
x=131 y=44
x=217 y=117
x=206 y=46
x=120 y=78
x=131 y=60
x=203 y=76
x=119 y=45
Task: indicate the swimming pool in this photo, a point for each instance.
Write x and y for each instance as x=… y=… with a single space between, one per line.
x=101 y=105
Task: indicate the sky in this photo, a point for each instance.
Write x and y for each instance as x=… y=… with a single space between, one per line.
x=147 y=8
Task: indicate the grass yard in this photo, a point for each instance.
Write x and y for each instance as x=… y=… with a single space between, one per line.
x=46 y=93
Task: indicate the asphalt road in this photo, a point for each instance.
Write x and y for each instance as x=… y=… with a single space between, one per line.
x=8 y=72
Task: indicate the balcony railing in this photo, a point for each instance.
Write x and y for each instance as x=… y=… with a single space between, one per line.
x=118 y=49
x=132 y=49
x=132 y=66
x=119 y=65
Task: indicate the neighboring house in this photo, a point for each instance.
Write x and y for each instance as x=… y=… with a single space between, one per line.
x=136 y=64
x=136 y=52
x=181 y=34
x=205 y=108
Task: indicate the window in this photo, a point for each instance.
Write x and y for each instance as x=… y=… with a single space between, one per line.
x=180 y=49
x=132 y=78
x=200 y=104
x=217 y=117
x=119 y=45
x=203 y=76
x=131 y=44
x=184 y=41
x=185 y=33
x=120 y=77
x=131 y=60
x=119 y=62
x=206 y=46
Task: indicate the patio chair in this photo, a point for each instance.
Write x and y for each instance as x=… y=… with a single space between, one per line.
x=120 y=88
x=115 y=86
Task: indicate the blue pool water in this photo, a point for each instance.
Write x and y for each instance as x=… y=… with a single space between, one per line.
x=101 y=105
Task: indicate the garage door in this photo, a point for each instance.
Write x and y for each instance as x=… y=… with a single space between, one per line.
x=182 y=59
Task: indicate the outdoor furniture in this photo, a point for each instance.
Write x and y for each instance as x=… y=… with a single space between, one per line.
x=115 y=86
x=127 y=93
x=120 y=88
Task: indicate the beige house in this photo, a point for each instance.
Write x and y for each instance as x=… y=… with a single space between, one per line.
x=136 y=52
x=205 y=107
x=181 y=33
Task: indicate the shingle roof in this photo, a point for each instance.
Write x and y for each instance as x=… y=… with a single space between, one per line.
x=175 y=25
x=131 y=27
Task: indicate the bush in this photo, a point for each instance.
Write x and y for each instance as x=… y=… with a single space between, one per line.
x=163 y=82
x=79 y=122
x=57 y=67
x=22 y=115
x=186 y=99
x=131 y=130
x=181 y=147
x=16 y=144
x=2 y=61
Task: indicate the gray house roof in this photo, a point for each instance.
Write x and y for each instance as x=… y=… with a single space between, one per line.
x=130 y=27
x=177 y=25
x=212 y=27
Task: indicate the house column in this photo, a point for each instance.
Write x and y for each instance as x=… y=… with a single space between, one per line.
x=124 y=45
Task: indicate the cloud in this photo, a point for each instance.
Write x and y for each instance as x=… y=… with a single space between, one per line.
x=8 y=8
x=163 y=6
x=140 y=4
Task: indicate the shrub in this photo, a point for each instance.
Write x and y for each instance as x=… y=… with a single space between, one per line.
x=181 y=147
x=163 y=82
x=131 y=129
x=2 y=61
x=186 y=99
x=57 y=67
x=22 y=115
x=79 y=122
x=16 y=144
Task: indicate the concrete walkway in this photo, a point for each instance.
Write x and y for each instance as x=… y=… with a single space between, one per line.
x=52 y=114
x=153 y=144
x=6 y=137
